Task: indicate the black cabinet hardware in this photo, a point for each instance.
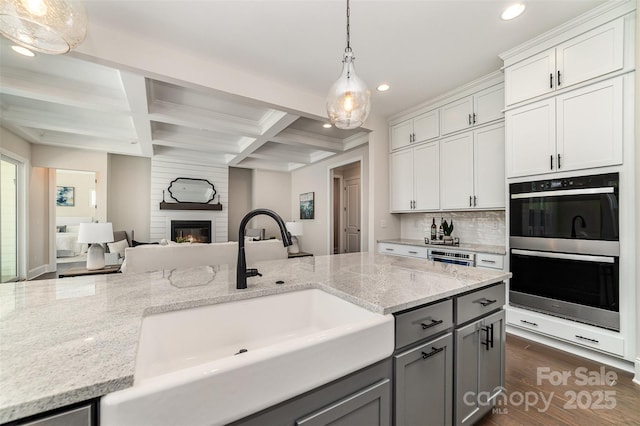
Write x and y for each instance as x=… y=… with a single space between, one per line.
x=433 y=323
x=485 y=302
x=559 y=161
x=469 y=119
x=432 y=353
x=559 y=83
x=413 y=252
x=529 y=323
x=587 y=339
x=389 y=249
x=489 y=340
x=469 y=200
x=551 y=159
x=475 y=201
x=474 y=118
x=551 y=81
x=487 y=261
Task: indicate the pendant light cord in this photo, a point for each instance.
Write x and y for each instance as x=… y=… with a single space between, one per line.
x=348 y=48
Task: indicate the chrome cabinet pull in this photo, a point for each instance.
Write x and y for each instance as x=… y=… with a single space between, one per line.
x=487 y=261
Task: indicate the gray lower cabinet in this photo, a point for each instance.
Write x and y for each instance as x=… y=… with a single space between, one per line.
x=361 y=398
x=370 y=406
x=423 y=386
x=479 y=367
x=78 y=415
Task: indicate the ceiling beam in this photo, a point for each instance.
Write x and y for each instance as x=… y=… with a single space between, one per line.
x=297 y=137
x=274 y=124
x=135 y=88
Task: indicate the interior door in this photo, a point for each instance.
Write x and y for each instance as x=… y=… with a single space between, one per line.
x=352 y=211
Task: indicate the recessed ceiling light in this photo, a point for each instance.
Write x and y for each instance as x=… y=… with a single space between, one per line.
x=326 y=125
x=512 y=11
x=383 y=87
x=23 y=51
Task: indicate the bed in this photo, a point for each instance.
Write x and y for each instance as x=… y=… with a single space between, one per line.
x=67 y=228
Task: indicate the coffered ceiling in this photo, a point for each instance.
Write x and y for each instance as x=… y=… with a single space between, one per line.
x=421 y=48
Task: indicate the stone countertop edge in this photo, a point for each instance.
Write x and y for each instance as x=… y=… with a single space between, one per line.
x=477 y=248
x=464 y=281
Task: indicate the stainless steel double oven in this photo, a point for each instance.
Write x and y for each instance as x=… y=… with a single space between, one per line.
x=565 y=249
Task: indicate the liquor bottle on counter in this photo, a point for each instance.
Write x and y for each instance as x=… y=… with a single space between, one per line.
x=441 y=229
x=434 y=230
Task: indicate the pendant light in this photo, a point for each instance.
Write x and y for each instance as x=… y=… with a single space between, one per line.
x=47 y=26
x=348 y=102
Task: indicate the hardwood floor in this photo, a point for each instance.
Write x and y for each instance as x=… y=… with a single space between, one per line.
x=537 y=394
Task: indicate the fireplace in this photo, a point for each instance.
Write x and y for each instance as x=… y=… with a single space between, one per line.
x=195 y=231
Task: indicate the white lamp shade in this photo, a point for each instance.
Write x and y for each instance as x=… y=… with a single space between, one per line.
x=294 y=228
x=95 y=233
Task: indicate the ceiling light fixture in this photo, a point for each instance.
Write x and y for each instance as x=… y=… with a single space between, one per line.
x=383 y=87
x=512 y=11
x=23 y=51
x=348 y=102
x=47 y=26
x=326 y=125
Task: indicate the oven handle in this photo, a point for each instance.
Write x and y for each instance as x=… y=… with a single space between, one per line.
x=461 y=261
x=566 y=256
x=584 y=191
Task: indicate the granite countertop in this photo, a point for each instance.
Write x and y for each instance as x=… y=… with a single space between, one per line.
x=477 y=248
x=68 y=340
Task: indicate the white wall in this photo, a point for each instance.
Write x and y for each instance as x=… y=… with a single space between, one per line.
x=128 y=193
x=270 y=190
x=76 y=159
x=240 y=197
x=82 y=183
x=39 y=232
x=316 y=178
x=165 y=169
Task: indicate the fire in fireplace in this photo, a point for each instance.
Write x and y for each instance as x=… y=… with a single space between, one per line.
x=193 y=231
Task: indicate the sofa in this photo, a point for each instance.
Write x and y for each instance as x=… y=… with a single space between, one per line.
x=146 y=258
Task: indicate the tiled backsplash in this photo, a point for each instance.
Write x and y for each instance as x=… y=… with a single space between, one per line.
x=482 y=227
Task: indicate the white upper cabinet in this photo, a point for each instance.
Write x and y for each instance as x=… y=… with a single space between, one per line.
x=587 y=56
x=415 y=178
x=472 y=175
x=480 y=108
x=419 y=129
x=579 y=129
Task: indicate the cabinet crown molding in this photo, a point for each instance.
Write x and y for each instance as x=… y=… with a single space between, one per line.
x=591 y=19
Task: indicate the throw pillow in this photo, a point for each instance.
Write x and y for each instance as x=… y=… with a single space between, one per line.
x=118 y=247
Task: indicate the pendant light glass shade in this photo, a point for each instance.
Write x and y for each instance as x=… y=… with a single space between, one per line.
x=348 y=102
x=47 y=26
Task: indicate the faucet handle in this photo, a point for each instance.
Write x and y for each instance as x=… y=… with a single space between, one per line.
x=252 y=272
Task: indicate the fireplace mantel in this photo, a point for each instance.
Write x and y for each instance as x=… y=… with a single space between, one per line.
x=189 y=206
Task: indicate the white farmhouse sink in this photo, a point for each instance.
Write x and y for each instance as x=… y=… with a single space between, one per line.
x=187 y=370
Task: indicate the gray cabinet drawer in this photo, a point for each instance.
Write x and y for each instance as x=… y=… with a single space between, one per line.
x=80 y=416
x=423 y=322
x=479 y=303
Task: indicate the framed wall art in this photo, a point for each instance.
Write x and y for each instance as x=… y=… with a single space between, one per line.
x=307 y=207
x=65 y=196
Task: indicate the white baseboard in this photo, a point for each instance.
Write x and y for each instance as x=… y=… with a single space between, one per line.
x=598 y=357
x=36 y=272
x=636 y=378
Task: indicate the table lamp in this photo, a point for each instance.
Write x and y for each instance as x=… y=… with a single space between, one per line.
x=295 y=229
x=95 y=234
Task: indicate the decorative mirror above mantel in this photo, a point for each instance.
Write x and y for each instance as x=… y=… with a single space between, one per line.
x=191 y=194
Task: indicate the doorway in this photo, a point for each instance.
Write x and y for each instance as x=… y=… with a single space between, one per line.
x=9 y=219
x=346 y=186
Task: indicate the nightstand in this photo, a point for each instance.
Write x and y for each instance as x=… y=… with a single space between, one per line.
x=300 y=254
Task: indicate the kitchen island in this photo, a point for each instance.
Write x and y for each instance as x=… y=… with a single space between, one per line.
x=69 y=340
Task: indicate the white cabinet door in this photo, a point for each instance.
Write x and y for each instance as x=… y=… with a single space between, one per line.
x=589 y=127
x=401 y=178
x=530 y=78
x=426 y=126
x=426 y=162
x=488 y=104
x=530 y=139
x=456 y=162
x=457 y=115
x=595 y=53
x=401 y=134
x=488 y=167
